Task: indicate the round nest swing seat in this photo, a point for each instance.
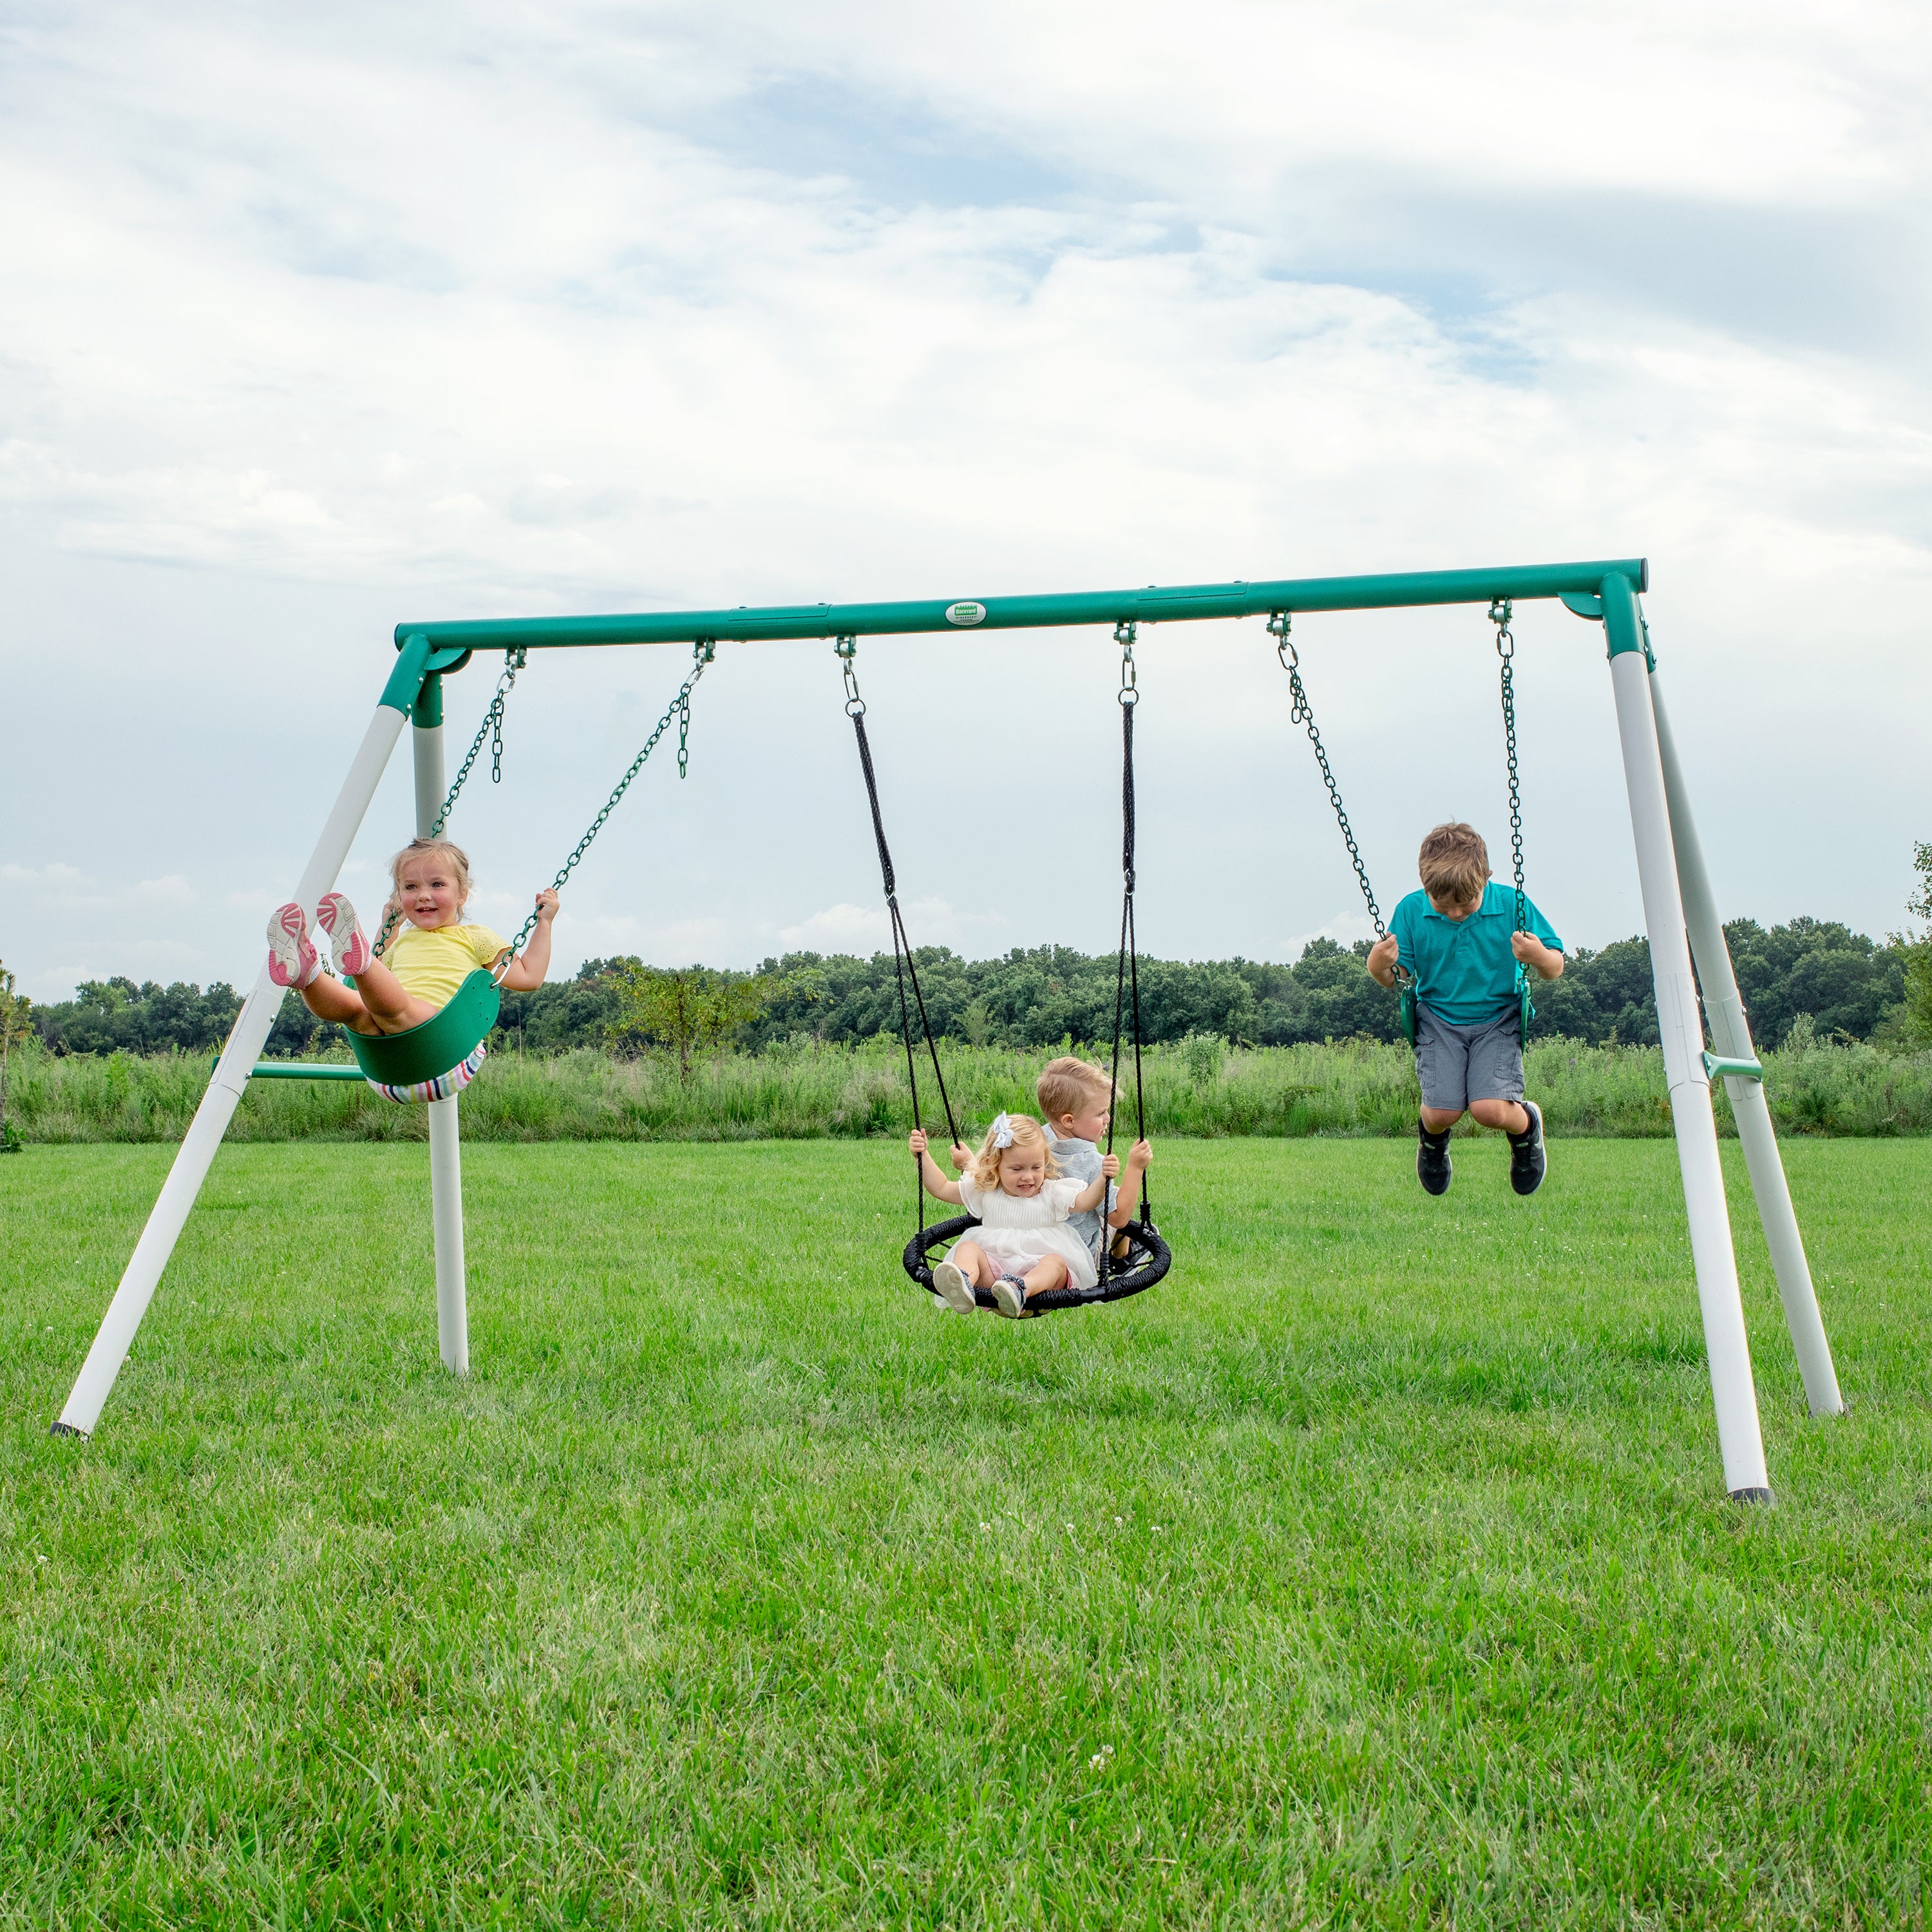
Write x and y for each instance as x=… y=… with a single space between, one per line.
x=1148 y=1260
x=431 y=1061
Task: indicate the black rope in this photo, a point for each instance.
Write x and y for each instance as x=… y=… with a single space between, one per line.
x=905 y=968
x=886 y=872
x=1126 y=987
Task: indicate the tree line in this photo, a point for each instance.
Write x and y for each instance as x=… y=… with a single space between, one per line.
x=1847 y=984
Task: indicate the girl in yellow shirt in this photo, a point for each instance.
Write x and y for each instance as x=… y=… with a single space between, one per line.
x=426 y=961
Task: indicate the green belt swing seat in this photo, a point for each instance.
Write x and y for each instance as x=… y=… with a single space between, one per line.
x=439 y=1057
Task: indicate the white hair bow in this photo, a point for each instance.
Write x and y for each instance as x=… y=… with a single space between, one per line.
x=1002 y=1131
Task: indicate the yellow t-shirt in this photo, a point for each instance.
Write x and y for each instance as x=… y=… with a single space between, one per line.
x=433 y=963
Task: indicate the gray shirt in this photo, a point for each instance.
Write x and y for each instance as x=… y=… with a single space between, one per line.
x=1080 y=1160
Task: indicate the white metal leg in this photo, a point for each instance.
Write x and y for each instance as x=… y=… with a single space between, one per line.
x=142 y=1274
x=446 y=1141
x=426 y=741
x=445 y=1186
x=1730 y=1031
x=1739 y=1436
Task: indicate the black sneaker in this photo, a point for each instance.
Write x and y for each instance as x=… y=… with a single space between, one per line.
x=1010 y=1296
x=1432 y=1165
x=1528 y=1163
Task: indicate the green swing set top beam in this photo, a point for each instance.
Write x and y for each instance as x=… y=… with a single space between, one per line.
x=1156 y=604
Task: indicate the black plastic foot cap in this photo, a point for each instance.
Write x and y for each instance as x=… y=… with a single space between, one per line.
x=68 y=1429
x=1763 y=1496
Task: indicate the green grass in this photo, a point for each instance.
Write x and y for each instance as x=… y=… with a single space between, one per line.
x=1374 y=1571
x=1347 y=1087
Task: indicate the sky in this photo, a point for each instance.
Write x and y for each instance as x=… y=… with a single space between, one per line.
x=317 y=319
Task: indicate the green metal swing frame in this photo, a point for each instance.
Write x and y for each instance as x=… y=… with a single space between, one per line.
x=427 y=651
x=1680 y=909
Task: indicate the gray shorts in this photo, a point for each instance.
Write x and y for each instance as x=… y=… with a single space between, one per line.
x=1461 y=1064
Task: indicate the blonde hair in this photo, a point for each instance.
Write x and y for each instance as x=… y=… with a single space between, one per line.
x=1065 y=1084
x=1026 y=1132
x=453 y=857
x=1454 y=863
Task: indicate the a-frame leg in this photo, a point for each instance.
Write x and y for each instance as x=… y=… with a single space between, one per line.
x=1740 y=1437
x=170 y=1212
x=1730 y=1033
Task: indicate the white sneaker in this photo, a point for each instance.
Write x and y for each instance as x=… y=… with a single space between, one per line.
x=1009 y=1292
x=950 y=1283
x=352 y=949
x=293 y=960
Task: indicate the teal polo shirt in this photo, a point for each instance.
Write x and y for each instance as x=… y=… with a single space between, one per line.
x=1464 y=971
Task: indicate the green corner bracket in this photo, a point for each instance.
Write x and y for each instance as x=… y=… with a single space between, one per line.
x=1719 y=1068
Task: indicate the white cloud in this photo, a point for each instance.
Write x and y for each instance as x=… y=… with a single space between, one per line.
x=673 y=943
x=55 y=983
x=56 y=876
x=172 y=890
x=1344 y=929
x=866 y=930
x=173 y=953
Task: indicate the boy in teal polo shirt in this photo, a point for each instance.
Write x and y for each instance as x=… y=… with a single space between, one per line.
x=1455 y=936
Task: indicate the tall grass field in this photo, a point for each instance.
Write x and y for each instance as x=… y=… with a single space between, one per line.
x=1375 y=1569
x=803 y=1091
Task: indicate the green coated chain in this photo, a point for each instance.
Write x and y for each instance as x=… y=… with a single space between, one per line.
x=1500 y=614
x=492 y=728
x=1280 y=624
x=704 y=651
x=388 y=932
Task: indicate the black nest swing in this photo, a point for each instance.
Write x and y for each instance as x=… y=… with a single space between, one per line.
x=1147 y=1258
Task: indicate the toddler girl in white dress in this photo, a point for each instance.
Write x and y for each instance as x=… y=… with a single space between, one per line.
x=1023 y=1245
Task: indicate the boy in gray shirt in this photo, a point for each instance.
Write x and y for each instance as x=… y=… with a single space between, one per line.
x=1076 y=1101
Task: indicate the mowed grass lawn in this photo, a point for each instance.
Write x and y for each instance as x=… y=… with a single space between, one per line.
x=1376 y=1569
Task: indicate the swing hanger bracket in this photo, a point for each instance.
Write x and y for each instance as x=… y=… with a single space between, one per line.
x=846 y=648
x=1279 y=623
x=1501 y=611
x=1125 y=632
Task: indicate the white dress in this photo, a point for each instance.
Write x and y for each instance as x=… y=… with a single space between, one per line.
x=1017 y=1231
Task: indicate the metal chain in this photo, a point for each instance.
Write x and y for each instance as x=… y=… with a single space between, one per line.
x=704 y=651
x=1279 y=622
x=491 y=728
x=389 y=924
x=1500 y=614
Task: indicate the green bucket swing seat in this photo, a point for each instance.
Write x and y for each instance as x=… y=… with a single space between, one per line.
x=428 y=1053
x=428 y=1062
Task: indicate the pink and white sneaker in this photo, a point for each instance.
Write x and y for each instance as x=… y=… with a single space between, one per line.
x=353 y=952
x=293 y=960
